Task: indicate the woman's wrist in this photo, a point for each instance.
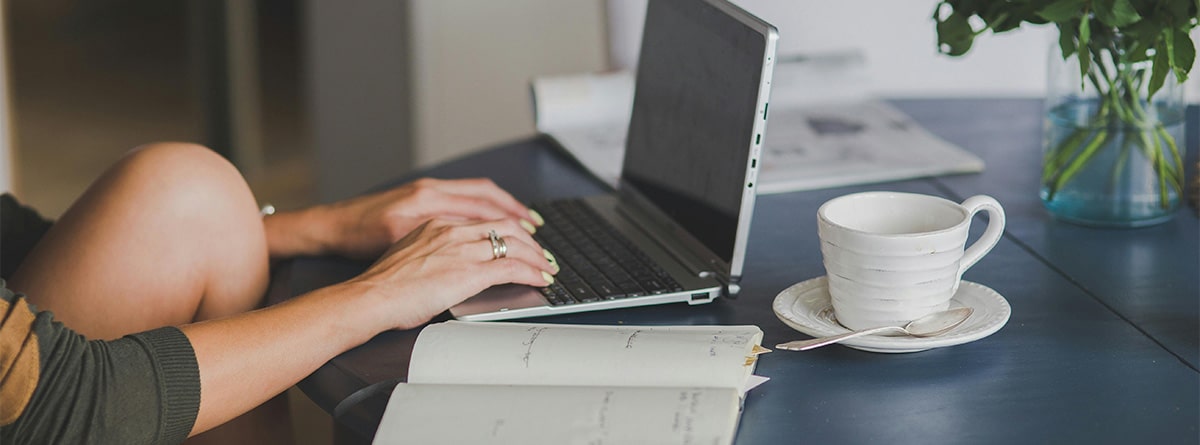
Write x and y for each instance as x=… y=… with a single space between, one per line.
x=309 y=231
x=361 y=309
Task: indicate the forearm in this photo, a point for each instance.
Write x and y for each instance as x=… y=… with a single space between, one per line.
x=247 y=359
x=297 y=233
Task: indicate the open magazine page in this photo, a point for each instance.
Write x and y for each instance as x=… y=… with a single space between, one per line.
x=823 y=131
x=853 y=143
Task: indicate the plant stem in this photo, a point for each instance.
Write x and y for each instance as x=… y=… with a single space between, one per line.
x=1120 y=110
x=1118 y=167
x=1073 y=168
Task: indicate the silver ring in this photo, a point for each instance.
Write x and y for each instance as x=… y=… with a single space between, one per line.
x=499 y=247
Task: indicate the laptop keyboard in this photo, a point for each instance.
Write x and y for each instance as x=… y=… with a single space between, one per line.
x=597 y=263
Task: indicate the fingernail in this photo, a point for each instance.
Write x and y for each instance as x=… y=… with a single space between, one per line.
x=550 y=258
x=528 y=227
x=546 y=276
x=537 y=217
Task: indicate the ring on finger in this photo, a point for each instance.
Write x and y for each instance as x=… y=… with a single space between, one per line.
x=499 y=246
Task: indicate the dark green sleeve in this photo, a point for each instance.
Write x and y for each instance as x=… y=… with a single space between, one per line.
x=20 y=229
x=143 y=388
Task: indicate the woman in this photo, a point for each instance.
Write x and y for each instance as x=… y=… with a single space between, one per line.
x=168 y=244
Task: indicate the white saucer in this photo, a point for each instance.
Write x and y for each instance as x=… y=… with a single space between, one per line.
x=806 y=308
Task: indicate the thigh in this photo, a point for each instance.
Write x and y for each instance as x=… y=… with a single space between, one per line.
x=169 y=235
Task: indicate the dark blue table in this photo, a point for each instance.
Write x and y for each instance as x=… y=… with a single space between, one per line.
x=1103 y=345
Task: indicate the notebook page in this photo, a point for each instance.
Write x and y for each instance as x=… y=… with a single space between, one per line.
x=555 y=354
x=457 y=414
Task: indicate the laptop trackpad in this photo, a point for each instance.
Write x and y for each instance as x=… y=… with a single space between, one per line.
x=500 y=298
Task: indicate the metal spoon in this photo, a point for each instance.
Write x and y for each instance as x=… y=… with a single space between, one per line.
x=934 y=324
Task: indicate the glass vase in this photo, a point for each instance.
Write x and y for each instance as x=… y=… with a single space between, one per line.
x=1112 y=157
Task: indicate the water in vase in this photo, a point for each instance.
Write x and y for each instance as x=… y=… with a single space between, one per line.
x=1110 y=173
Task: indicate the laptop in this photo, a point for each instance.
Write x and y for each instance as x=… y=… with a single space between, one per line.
x=676 y=227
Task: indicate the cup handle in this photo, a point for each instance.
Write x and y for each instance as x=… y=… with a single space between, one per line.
x=990 y=236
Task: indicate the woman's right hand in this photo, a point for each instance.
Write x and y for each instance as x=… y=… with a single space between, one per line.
x=443 y=262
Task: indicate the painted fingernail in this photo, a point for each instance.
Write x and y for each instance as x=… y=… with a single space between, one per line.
x=528 y=227
x=537 y=217
x=550 y=258
x=546 y=276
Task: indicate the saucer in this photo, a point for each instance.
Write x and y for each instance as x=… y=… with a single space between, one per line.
x=806 y=308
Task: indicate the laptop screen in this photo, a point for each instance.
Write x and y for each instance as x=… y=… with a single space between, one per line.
x=693 y=114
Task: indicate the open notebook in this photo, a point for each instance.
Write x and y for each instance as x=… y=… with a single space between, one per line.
x=553 y=384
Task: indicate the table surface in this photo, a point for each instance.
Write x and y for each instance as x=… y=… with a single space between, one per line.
x=1103 y=345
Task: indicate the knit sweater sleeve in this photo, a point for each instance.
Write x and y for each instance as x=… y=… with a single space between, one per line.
x=59 y=387
x=21 y=228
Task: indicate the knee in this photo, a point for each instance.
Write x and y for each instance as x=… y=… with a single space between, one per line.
x=195 y=190
x=182 y=165
x=208 y=205
x=187 y=176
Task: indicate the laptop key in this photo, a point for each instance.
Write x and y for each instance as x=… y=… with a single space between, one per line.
x=598 y=264
x=609 y=290
x=631 y=288
x=653 y=286
x=579 y=289
x=556 y=295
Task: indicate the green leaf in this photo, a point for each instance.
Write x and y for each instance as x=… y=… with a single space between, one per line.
x=1085 y=32
x=1141 y=37
x=1184 y=55
x=1066 y=40
x=1085 y=57
x=1137 y=52
x=954 y=35
x=1158 y=75
x=1115 y=12
x=1027 y=11
x=1168 y=37
x=1061 y=10
x=1175 y=10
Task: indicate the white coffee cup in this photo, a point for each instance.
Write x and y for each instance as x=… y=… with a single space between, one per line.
x=894 y=257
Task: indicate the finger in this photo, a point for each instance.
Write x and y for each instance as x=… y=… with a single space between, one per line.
x=513 y=270
x=486 y=189
x=503 y=227
x=510 y=230
x=512 y=249
x=442 y=233
x=469 y=207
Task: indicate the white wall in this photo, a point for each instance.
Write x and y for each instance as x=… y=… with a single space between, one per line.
x=898 y=40
x=472 y=62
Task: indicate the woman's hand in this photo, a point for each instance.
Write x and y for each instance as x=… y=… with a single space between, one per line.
x=443 y=262
x=251 y=357
x=365 y=226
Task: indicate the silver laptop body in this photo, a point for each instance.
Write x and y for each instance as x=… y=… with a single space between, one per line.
x=687 y=189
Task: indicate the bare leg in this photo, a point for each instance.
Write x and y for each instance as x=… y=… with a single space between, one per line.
x=168 y=236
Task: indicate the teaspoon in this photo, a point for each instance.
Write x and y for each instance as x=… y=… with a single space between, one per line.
x=930 y=325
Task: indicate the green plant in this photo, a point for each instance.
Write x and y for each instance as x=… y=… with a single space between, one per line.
x=1125 y=51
